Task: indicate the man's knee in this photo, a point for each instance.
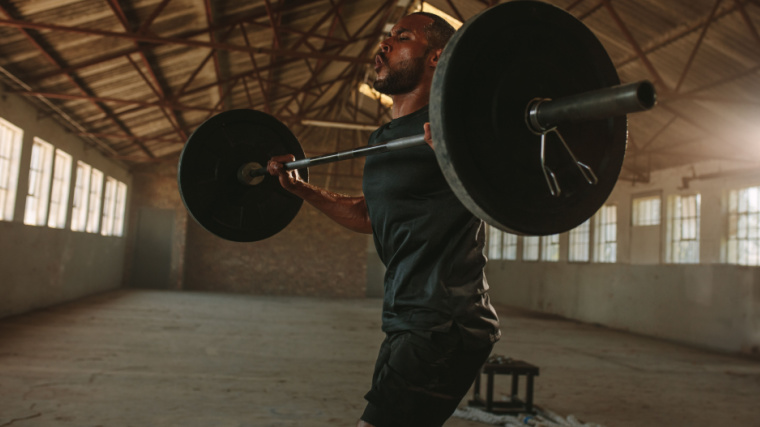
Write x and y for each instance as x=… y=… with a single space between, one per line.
x=363 y=423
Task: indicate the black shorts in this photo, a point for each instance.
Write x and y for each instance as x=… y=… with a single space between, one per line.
x=420 y=378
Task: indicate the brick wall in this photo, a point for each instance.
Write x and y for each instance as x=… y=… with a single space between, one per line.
x=311 y=257
x=154 y=185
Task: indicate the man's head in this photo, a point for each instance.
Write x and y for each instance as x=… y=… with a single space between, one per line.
x=438 y=32
x=408 y=56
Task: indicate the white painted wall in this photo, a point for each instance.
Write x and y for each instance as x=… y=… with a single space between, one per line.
x=40 y=266
x=711 y=305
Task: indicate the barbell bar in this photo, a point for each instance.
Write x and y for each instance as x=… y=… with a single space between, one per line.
x=526 y=110
x=541 y=116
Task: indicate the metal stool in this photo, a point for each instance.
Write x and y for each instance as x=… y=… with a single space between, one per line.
x=505 y=366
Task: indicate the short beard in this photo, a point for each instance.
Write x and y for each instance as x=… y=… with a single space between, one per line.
x=402 y=80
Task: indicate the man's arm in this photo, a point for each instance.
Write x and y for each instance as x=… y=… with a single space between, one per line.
x=350 y=212
x=428 y=135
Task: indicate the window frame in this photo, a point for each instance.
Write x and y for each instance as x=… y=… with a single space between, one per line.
x=95 y=202
x=11 y=142
x=550 y=248
x=636 y=214
x=58 y=205
x=81 y=198
x=579 y=237
x=678 y=249
x=109 y=206
x=40 y=175
x=531 y=251
x=120 y=210
x=501 y=245
x=605 y=234
x=742 y=251
x=114 y=208
x=509 y=246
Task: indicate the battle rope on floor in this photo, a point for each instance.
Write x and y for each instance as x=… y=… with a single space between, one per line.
x=542 y=418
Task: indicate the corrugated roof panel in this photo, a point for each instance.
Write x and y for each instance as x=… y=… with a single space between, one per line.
x=721 y=89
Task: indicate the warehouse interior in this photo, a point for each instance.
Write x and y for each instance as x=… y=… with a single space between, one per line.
x=118 y=308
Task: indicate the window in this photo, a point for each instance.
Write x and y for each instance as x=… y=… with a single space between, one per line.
x=40 y=170
x=121 y=207
x=509 y=246
x=646 y=211
x=10 y=156
x=114 y=206
x=683 y=230
x=579 y=243
x=494 y=243
x=96 y=192
x=59 y=196
x=550 y=248
x=81 y=196
x=109 y=207
x=605 y=238
x=743 y=243
x=530 y=248
x=501 y=245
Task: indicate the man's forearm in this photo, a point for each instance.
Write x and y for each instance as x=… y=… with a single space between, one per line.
x=348 y=211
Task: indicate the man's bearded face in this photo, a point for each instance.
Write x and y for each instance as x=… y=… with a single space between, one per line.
x=405 y=77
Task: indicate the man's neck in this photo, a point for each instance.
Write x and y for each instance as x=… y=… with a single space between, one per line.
x=408 y=103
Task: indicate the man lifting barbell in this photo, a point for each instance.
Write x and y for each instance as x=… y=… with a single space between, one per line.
x=496 y=98
x=508 y=81
x=440 y=326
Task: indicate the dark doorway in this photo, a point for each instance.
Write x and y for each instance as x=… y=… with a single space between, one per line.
x=153 y=249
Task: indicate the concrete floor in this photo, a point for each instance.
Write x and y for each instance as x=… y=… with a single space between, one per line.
x=143 y=358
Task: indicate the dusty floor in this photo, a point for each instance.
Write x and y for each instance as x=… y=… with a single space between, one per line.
x=141 y=358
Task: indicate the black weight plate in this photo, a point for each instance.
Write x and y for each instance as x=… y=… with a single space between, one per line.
x=208 y=183
x=491 y=69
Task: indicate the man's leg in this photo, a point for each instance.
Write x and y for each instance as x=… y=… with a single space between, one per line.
x=420 y=377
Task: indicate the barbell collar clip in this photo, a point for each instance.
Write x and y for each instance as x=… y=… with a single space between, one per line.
x=551 y=178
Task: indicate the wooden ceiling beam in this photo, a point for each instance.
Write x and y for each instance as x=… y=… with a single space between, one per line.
x=748 y=21
x=145 y=26
x=457 y=13
x=156 y=40
x=681 y=33
x=105 y=100
x=257 y=72
x=657 y=79
x=697 y=45
x=155 y=85
x=79 y=86
x=215 y=52
x=316 y=26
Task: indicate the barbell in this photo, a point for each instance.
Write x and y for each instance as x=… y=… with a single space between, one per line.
x=526 y=111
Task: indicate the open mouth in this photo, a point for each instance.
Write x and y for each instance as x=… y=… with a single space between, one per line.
x=378 y=62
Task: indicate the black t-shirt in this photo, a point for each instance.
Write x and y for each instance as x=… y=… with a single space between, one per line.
x=431 y=245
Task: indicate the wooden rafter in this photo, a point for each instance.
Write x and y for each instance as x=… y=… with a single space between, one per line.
x=179 y=41
x=697 y=45
x=46 y=53
x=634 y=44
x=154 y=83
